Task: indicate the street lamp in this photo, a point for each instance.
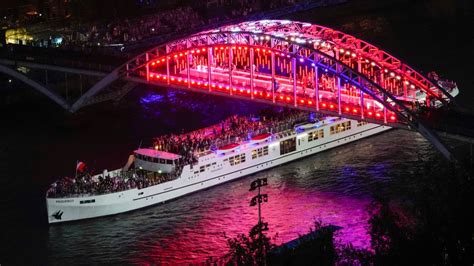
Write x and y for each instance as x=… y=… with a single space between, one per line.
x=257 y=200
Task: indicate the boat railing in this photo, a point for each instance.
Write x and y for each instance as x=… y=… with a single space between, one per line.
x=275 y=129
x=110 y=184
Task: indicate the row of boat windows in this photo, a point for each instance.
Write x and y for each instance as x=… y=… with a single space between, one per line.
x=237 y=159
x=206 y=167
x=153 y=159
x=318 y=134
x=259 y=152
x=341 y=127
x=286 y=146
x=87 y=201
x=338 y=128
x=361 y=123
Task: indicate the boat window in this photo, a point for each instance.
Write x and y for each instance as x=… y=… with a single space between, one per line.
x=155 y=160
x=340 y=127
x=162 y=161
x=234 y=160
x=287 y=146
x=318 y=134
x=169 y=161
x=361 y=123
x=87 y=201
x=259 y=152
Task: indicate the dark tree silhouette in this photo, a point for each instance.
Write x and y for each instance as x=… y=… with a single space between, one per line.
x=315 y=248
x=430 y=222
x=251 y=249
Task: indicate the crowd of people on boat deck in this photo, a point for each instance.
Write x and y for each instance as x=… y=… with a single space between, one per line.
x=231 y=130
x=188 y=145
x=84 y=183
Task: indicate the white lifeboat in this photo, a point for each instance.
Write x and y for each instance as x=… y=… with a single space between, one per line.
x=228 y=148
x=261 y=138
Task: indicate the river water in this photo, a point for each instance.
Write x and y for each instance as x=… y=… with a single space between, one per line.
x=335 y=186
x=42 y=143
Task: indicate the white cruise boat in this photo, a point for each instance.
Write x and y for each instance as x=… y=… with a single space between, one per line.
x=159 y=176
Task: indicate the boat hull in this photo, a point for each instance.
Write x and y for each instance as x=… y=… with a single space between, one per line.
x=85 y=207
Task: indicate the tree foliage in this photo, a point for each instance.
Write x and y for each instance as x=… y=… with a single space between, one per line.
x=249 y=249
x=429 y=222
x=315 y=248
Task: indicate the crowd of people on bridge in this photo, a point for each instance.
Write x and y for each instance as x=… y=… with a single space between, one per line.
x=188 y=145
x=133 y=29
x=122 y=31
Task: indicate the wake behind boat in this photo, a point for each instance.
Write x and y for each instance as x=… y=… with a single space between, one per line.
x=181 y=164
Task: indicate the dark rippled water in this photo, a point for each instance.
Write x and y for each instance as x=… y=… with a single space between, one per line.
x=39 y=143
x=335 y=186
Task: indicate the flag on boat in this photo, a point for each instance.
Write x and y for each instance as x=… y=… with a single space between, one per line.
x=80 y=166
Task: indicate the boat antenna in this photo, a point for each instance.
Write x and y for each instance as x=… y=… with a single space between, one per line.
x=140 y=145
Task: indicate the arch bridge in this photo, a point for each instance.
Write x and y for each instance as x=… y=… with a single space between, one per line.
x=293 y=64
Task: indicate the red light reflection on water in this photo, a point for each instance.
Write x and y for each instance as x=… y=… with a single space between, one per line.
x=290 y=212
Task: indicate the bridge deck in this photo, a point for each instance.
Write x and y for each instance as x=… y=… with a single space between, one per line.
x=305 y=95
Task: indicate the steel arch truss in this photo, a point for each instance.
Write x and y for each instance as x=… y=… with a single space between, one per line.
x=275 y=70
x=349 y=48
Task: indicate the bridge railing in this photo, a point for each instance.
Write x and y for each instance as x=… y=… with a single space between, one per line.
x=50 y=57
x=209 y=70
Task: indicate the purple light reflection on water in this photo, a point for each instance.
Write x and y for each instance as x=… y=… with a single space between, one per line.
x=151 y=98
x=334 y=186
x=290 y=212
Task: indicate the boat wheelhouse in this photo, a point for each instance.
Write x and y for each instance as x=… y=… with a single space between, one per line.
x=156 y=161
